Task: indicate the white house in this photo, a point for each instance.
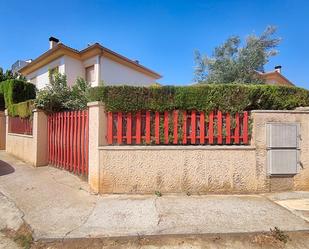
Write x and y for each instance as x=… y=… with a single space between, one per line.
x=95 y=64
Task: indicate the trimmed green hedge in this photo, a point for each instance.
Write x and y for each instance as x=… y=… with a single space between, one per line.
x=22 y=109
x=16 y=91
x=224 y=97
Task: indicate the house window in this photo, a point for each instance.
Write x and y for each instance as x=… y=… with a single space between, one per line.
x=90 y=77
x=52 y=73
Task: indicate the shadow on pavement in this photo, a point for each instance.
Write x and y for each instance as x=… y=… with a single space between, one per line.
x=5 y=168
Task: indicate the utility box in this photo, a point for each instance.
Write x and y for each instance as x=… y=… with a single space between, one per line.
x=282 y=148
x=282 y=135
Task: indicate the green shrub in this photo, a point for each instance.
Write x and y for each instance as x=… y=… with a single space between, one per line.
x=16 y=91
x=22 y=109
x=224 y=97
x=58 y=96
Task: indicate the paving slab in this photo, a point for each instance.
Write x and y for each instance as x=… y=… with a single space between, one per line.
x=175 y=214
x=297 y=202
x=57 y=204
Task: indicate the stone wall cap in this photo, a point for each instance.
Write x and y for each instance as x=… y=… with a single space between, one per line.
x=302 y=108
x=20 y=135
x=177 y=147
x=281 y=111
x=37 y=110
x=95 y=103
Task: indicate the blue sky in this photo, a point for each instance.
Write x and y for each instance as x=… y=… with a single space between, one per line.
x=162 y=35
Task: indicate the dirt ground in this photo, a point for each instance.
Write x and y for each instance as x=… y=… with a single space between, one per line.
x=296 y=240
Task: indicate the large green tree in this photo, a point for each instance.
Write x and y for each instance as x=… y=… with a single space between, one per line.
x=237 y=62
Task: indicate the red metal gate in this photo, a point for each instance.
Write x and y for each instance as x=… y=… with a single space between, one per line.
x=68 y=141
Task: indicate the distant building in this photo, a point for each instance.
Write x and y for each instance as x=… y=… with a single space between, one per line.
x=275 y=77
x=19 y=65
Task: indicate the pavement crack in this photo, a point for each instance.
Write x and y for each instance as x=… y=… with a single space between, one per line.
x=160 y=217
x=83 y=223
x=15 y=205
x=22 y=214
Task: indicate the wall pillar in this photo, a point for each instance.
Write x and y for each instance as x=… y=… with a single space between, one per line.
x=268 y=183
x=97 y=137
x=2 y=130
x=40 y=135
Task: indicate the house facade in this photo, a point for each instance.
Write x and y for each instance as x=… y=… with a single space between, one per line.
x=95 y=63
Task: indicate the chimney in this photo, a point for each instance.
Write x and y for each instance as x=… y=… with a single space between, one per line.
x=53 y=42
x=278 y=68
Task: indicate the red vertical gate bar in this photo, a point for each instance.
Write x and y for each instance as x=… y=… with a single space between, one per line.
x=202 y=127
x=58 y=139
x=72 y=141
x=61 y=140
x=110 y=128
x=129 y=128
x=245 y=128
x=83 y=143
x=228 y=128
x=157 y=127
x=78 y=142
x=49 y=139
x=148 y=136
x=193 y=127
x=138 y=128
x=219 y=120
x=75 y=143
x=236 y=131
x=184 y=128
x=54 y=138
x=68 y=140
x=87 y=141
x=119 y=128
x=211 y=128
x=65 y=140
x=175 y=133
x=166 y=127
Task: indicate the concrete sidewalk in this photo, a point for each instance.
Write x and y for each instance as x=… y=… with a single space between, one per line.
x=57 y=204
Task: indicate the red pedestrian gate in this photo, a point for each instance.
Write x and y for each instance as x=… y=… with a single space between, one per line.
x=68 y=141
